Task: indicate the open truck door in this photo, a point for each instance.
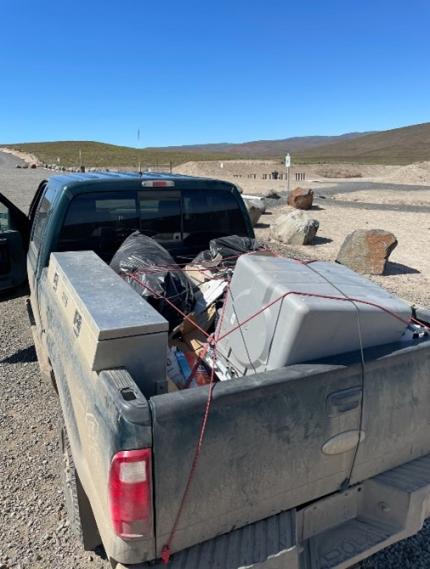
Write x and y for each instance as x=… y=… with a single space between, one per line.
x=15 y=227
x=14 y=236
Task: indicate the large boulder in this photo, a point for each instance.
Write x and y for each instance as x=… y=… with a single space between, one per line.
x=367 y=250
x=295 y=228
x=301 y=198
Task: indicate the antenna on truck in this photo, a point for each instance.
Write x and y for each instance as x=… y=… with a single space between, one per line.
x=138 y=143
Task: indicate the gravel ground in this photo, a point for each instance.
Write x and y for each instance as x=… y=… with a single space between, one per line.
x=408 y=271
x=34 y=531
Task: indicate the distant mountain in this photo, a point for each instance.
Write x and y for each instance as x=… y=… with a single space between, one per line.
x=262 y=148
x=397 y=146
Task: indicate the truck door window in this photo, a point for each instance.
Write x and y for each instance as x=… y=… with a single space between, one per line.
x=160 y=215
x=211 y=213
x=99 y=222
x=5 y=223
x=41 y=217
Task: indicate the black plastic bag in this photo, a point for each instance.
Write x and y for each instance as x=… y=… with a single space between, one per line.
x=227 y=249
x=150 y=269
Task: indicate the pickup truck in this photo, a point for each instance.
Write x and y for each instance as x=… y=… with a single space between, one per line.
x=311 y=466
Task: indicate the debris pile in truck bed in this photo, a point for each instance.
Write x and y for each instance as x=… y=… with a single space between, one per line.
x=189 y=297
x=266 y=313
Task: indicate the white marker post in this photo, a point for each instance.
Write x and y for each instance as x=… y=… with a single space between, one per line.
x=288 y=167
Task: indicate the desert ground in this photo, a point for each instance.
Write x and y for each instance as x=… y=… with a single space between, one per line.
x=349 y=197
x=34 y=529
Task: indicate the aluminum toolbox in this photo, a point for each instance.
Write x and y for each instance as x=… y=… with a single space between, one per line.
x=112 y=325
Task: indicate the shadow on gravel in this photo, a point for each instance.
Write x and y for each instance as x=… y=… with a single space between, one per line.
x=399 y=269
x=100 y=552
x=321 y=240
x=25 y=355
x=262 y=225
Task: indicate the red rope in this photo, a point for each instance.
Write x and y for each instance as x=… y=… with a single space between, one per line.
x=166 y=551
x=325 y=296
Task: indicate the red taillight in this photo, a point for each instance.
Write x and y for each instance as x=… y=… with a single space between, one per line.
x=130 y=493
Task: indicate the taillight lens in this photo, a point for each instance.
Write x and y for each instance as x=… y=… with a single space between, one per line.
x=130 y=493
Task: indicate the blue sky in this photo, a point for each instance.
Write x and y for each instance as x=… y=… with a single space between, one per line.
x=193 y=72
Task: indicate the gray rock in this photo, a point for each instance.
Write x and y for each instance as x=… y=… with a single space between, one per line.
x=295 y=228
x=256 y=206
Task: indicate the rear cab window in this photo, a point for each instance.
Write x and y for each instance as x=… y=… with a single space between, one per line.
x=212 y=212
x=182 y=220
x=160 y=215
x=99 y=222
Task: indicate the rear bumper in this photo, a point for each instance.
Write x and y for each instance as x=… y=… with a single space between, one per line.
x=332 y=533
x=268 y=544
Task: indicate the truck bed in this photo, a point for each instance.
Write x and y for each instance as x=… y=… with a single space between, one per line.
x=275 y=442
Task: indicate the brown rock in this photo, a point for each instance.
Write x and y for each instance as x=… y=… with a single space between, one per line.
x=367 y=250
x=301 y=198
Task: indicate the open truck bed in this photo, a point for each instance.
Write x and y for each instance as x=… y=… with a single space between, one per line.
x=296 y=468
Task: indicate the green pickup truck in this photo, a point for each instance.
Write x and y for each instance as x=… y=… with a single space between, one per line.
x=310 y=466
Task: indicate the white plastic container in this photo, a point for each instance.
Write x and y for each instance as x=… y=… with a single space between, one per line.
x=302 y=328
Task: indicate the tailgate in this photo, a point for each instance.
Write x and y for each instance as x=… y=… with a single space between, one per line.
x=273 y=441
x=396 y=410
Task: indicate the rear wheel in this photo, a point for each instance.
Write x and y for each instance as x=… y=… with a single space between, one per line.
x=78 y=508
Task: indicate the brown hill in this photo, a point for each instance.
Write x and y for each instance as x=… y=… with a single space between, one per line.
x=262 y=148
x=398 y=146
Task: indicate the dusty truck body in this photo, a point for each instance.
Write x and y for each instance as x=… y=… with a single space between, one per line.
x=310 y=466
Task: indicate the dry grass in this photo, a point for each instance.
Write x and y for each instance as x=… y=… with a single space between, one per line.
x=100 y=155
